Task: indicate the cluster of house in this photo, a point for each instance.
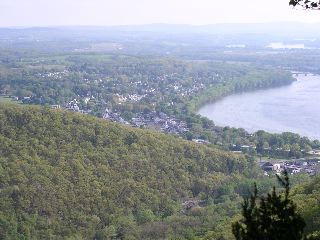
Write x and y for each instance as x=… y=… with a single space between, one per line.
x=161 y=122
x=193 y=89
x=72 y=106
x=130 y=97
x=186 y=91
x=86 y=100
x=22 y=99
x=201 y=141
x=54 y=75
x=153 y=120
x=114 y=117
x=310 y=166
x=171 y=85
x=314 y=152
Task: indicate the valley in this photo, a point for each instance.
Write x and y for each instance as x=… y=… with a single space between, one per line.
x=114 y=133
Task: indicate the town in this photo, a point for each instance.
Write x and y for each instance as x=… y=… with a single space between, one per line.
x=160 y=121
x=310 y=166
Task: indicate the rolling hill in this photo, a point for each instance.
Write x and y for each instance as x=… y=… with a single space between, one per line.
x=72 y=176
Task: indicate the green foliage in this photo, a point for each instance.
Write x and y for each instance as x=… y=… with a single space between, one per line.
x=71 y=176
x=66 y=176
x=307 y=197
x=174 y=86
x=251 y=80
x=276 y=217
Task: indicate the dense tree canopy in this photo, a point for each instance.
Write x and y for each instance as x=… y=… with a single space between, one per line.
x=65 y=175
x=307 y=197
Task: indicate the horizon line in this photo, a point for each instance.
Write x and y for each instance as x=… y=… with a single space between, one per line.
x=155 y=24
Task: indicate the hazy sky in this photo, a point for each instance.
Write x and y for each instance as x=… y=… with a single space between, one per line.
x=132 y=12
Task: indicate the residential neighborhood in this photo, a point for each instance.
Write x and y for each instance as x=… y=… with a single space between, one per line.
x=310 y=166
x=153 y=120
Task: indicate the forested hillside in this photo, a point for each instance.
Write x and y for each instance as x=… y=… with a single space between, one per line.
x=307 y=196
x=65 y=175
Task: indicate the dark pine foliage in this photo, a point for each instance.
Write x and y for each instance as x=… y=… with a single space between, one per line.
x=274 y=218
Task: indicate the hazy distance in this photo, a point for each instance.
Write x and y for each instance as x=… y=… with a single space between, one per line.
x=136 y=12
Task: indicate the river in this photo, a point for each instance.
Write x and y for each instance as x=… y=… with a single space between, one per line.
x=294 y=108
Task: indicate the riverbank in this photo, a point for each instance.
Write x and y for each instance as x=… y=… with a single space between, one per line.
x=290 y=108
x=261 y=79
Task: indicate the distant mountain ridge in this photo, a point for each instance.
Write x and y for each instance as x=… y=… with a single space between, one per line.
x=282 y=28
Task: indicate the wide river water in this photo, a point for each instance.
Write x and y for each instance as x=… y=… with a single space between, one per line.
x=294 y=108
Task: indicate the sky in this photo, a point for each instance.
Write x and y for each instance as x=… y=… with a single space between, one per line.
x=136 y=12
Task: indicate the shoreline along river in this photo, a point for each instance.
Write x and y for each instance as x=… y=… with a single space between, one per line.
x=292 y=108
